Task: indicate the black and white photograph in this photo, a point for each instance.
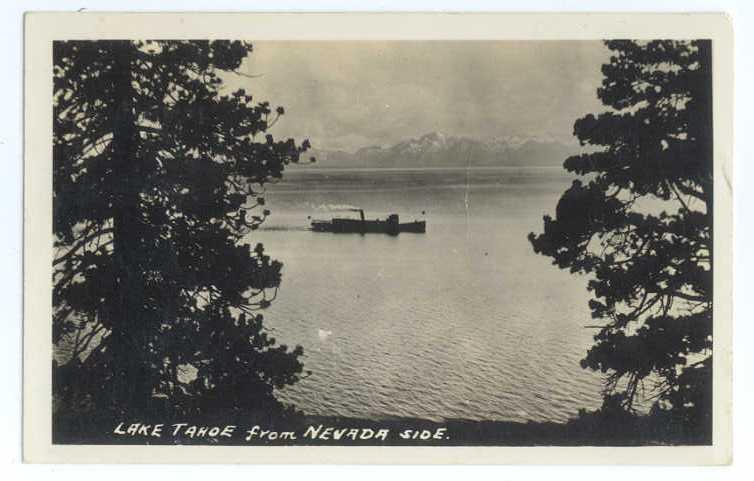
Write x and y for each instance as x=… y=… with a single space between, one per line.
x=383 y=242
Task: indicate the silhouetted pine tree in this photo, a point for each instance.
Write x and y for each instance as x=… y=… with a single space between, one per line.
x=640 y=224
x=157 y=179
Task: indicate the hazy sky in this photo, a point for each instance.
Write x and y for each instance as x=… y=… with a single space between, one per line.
x=346 y=95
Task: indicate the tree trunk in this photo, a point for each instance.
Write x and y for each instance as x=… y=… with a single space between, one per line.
x=128 y=341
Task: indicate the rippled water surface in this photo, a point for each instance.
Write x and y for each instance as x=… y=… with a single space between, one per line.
x=464 y=321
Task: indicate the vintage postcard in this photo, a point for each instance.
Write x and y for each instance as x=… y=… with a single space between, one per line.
x=439 y=238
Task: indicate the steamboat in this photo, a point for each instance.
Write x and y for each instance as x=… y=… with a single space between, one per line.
x=391 y=225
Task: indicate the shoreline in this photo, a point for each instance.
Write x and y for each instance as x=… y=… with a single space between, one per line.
x=307 y=430
x=292 y=170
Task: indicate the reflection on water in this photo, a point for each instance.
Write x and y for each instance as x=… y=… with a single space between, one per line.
x=464 y=321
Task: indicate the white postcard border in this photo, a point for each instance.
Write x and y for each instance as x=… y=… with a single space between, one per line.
x=42 y=28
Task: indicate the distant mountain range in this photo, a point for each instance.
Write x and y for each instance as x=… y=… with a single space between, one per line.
x=439 y=150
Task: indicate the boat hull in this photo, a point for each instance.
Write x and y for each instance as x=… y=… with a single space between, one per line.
x=354 y=226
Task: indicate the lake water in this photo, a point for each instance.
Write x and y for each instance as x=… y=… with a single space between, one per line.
x=464 y=321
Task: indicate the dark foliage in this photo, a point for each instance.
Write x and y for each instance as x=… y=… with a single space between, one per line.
x=158 y=180
x=640 y=225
